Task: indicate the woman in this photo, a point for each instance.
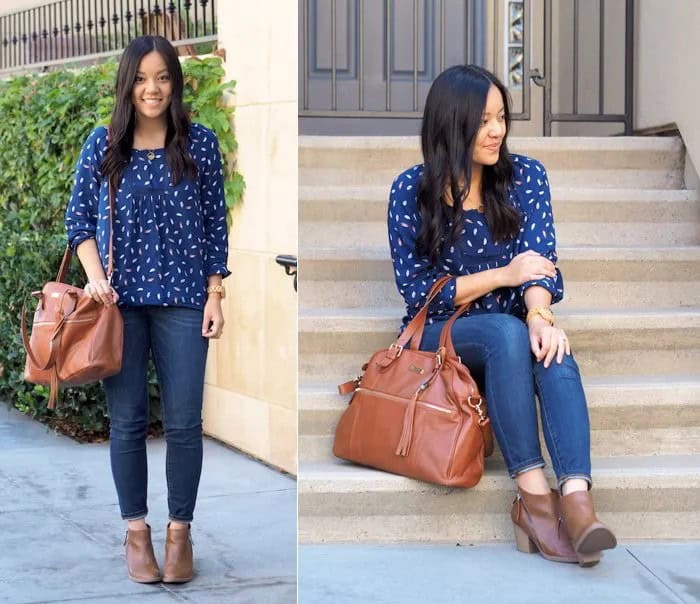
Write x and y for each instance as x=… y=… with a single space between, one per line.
x=497 y=242
x=170 y=251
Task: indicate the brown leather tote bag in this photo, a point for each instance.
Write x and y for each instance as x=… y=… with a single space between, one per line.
x=74 y=340
x=417 y=413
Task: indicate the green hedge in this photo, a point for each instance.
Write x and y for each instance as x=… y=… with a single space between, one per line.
x=44 y=120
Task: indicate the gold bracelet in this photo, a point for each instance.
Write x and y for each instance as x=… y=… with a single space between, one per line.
x=217 y=289
x=543 y=312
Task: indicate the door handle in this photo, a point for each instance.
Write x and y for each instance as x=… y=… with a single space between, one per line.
x=537 y=77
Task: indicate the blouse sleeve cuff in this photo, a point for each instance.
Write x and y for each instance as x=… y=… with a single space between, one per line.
x=75 y=240
x=218 y=268
x=554 y=286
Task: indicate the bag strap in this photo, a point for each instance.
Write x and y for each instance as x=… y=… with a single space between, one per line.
x=414 y=330
x=68 y=254
x=446 y=333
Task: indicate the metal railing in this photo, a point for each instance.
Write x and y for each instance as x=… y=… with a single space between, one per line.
x=83 y=30
x=330 y=103
x=290 y=266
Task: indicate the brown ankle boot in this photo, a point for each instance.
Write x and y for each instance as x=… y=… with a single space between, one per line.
x=588 y=535
x=140 y=559
x=538 y=526
x=178 y=556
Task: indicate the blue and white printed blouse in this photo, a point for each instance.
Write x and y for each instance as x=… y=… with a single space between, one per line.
x=476 y=251
x=167 y=238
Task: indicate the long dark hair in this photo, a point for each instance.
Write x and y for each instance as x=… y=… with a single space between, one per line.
x=124 y=120
x=451 y=119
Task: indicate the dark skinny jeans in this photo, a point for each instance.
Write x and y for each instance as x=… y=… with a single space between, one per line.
x=174 y=336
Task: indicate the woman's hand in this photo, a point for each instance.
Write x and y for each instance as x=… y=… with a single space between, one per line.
x=101 y=292
x=213 y=321
x=528 y=266
x=547 y=341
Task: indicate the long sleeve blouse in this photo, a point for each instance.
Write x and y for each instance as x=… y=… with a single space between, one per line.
x=475 y=250
x=167 y=238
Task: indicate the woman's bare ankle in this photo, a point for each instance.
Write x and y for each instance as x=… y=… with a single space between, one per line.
x=139 y=524
x=574 y=484
x=533 y=481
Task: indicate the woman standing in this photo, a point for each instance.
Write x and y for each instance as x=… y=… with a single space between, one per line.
x=170 y=250
x=483 y=216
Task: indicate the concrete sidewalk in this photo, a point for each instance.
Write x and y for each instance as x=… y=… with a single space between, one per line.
x=637 y=573
x=61 y=534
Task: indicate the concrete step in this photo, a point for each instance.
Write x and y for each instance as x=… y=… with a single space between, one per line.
x=642 y=162
x=599 y=264
x=643 y=178
x=333 y=203
x=367 y=329
x=369 y=153
x=334 y=346
x=648 y=497
x=631 y=416
x=614 y=403
x=577 y=294
x=342 y=366
x=322 y=233
x=646 y=441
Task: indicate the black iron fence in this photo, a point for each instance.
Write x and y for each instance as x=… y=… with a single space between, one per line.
x=377 y=58
x=69 y=30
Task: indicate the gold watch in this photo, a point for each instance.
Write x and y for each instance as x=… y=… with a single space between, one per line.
x=543 y=312
x=217 y=289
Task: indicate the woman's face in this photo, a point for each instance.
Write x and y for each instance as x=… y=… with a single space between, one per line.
x=152 y=88
x=493 y=128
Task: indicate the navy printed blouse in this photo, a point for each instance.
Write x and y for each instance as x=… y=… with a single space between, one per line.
x=167 y=238
x=476 y=251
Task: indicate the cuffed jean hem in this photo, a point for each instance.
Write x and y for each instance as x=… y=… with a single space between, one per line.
x=563 y=479
x=137 y=516
x=528 y=465
x=180 y=519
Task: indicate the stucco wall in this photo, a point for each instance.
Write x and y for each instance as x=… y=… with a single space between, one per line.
x=251 y=384
x=667 y=68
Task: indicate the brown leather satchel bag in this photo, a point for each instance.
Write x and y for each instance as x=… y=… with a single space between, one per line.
x=74 y=339
x=416 y=413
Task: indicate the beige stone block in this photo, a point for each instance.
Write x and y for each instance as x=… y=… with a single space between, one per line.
x=265 y=431
x=283 y=193
x=250 y=228
x=268 y=159
x=260 y=39
x=283 y=438
x=238 y=420
x=240 y=353
x=280 y=338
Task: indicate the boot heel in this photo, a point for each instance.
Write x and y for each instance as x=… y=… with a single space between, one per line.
x=586 y=560
x=523 y=542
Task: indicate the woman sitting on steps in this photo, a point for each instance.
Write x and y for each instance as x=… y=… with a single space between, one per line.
x=497 y=242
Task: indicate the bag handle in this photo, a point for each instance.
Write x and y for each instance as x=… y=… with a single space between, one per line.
x=446 y=333
x=68 y=254
x=414 y=330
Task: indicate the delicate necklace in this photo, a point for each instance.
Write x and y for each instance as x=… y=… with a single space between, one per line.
x=151 y=155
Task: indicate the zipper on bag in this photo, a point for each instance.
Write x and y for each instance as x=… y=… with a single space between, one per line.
x=401 y=400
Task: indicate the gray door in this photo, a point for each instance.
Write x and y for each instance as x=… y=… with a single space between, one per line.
x=366 y=65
